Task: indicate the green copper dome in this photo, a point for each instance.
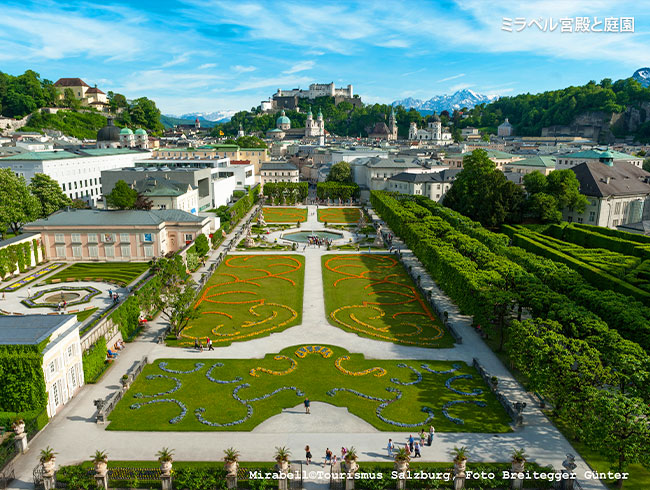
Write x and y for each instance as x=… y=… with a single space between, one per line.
x=140 y=131
x=283 y=119
x=126 y=131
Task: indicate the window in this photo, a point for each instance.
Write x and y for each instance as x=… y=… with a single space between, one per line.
x=189 y=237
x=148 y=251
x=124 y=237
x=60 y=251
x=63 y=186
x=109 y=251
x=73 y=377
x=93 y=251
x=580 y=220
x=59 y=238
x=592 y=216
x=108 y=237
x=55 y=394
x=70 y=350
x=125 y=250
x=52 y=368
x=147 y=237
x=617 y=208
x=76 y=251
x=75 y=237
x=92 y=237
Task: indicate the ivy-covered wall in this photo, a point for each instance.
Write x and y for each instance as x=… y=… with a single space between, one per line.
x=22 y=385
x=17 y=257
x=94 y=360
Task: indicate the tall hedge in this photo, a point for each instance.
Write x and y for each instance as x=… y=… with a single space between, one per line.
x=22 y=382
x=244 y=205
x=94 y=360
x=597 y=237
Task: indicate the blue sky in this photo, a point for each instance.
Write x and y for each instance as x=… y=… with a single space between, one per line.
x=208 y=55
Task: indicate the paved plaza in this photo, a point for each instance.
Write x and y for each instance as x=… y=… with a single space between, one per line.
x=74 y=434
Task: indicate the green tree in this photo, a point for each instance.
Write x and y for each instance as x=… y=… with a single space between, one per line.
x=116 y=101
x=483 y=193
x=545 y=207
x=618 y=428
x=535 y=182
x=172 y=293
x=340 y=172
x=49 y=194
x=457 y=135
x=17 y=205
x=565 y=187
x=122 y=196
x=250 y=142
x=201 y=245
x=69 y=100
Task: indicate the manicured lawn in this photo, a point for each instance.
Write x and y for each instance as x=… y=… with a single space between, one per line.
x=85 y=314
x=248 y=296
x=373 y=296
x=284 y=215
x=401 y=392
x=339 y=215
x=121 y=272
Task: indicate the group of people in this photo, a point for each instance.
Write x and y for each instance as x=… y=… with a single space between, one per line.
x=198 y=344
x=119 y=345
x=114 y=296
x=318 y=241
x=330 y=457
x=414 y=445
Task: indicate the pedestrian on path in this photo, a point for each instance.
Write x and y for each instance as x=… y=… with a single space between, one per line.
x=432 y=432
x=110 y=294
x=3 y=295
x=408 y=450
x=196 y=344
x=416 y=447
x=390 y=447
x=328 y=456
x=423 y=437
x=343 y=453
x=307 y=454
x=29 y=291
x=208 y=342
x=307 y=403
x=411 y=441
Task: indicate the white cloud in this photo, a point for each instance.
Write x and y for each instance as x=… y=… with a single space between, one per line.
x=205 y=66
x=300 y=66
x=460 y=75
x=177 y=60
x=394 y=43
x=243 y=69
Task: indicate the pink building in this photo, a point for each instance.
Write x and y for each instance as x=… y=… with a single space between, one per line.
x=120 y=236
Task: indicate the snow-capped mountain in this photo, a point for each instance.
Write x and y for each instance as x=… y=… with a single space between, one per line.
x=642 y=75
x=217 y=116
x=457 y=100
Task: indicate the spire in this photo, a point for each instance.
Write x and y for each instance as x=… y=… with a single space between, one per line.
x=309 y=112
x=320 y=114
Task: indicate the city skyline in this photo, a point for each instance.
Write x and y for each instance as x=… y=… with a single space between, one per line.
x=209 y=55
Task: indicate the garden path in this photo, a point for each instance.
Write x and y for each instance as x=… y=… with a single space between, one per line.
x=75 y=436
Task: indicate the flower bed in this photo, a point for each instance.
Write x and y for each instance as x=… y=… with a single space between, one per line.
x=455 y=420
x=32 y=277
x=91 y=292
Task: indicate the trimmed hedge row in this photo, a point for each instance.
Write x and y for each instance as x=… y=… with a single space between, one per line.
x=594 y=237
x=94 y=360
x=22 y=385
x=37 y=417
x=599 y=278
x=475 y=278
x=624 y=235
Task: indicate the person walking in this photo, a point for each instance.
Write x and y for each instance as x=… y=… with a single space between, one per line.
x=307 y=403
x=390 y=448
x=416 y=447
x=411 y=441
x=328 y=456
x=423 y=437
x=307 y=454
x=408 y=450
x=110 y=294
x=196 y=344
x=29 y=291
x=209 y=343
x=432 y=432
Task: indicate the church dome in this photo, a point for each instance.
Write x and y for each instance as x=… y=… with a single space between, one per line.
x=436 y=117
x=110 y=132
x=126 y=131
x=283 y=119
x=140 y=131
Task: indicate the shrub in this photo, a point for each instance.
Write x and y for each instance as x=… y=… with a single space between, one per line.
x=23 y=383
x=94 y=360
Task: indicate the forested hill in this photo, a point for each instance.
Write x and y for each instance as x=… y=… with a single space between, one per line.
x=622 y=106
x=28 y=93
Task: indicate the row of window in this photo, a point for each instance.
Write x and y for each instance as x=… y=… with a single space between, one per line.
x=93 y=251
x=104 y=237
x=82 y=183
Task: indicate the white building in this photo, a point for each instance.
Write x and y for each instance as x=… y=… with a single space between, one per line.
x=505 y=129
x=168 y=194
x=433 y=133
x=279 y=172
x=618 y=194
x=62 y=364
x=603 y=156
x=373 y=173
x=433 y=185
x=78 y=174
x=314 y=128
x=317 y=90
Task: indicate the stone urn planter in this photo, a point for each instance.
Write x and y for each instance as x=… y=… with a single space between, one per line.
x=282 y=455
x=18 y=427
x=101 y=467
x=165 y=459
x=48 y=466
x=231 y=461
x=166 y=468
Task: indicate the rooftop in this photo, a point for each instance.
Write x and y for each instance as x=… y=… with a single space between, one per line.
x=278 y=166
x=621 y=179
x=98 y=218
x=596 y=154
x=70 y=82
x=537 y=161
x=14 y=239
x=37 y=156
x=29 y=329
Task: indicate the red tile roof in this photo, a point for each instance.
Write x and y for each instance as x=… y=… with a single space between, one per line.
x=70 y=82
x=94 y=90
x=240 y=162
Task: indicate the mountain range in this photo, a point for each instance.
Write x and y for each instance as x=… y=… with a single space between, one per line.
x=217 y=116
x=642 y=75
x=438 y=103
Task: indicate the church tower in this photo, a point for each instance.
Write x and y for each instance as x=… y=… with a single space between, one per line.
x=320 y=124
x=240 y=133
x=392 y=125
x=413 y=131
x=309 y=125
